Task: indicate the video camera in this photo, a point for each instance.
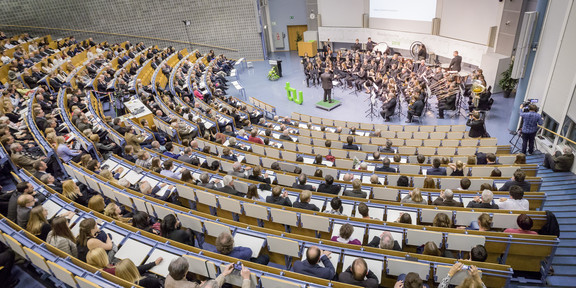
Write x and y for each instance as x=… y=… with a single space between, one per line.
x=527 y=103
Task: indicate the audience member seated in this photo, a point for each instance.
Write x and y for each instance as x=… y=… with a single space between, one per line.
x=141 y=220
x=98 y=258
x=345 y=233
x=257 y=176
x=414 y=197
x=171 y=228
x=237 y=170
x=403 y=181
x=252 y=193
x=225 y=246
x=386 y=166
x=429 y=183
x=473 y=280
x=516 y=200
x=89 y=238
x=335 y=206
x=560 y=162
x=359 y=274
x=38 y=224
x=254 y=137
x=518 y=179
x=442 y=220
x=464 y=184
x=484 y=201
x=447 y=199
x=457 y=168
x=364 y=211
x=301 y=183
x=127 y=270
x=350 y=144
x=430 y=248
x=304 y=201
x=278 y=197
x=328 y=186
x=25 y=204
x=228 y=187
x=311 y=266
x=356 y=190
x=385 y=241
x=62 y=238
x=478 y=253
x=410 y=280
x=436 y=169
x=524 y=223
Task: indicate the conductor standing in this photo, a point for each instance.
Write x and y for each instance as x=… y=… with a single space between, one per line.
x=326 y=79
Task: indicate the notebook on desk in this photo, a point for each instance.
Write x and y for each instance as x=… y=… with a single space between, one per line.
x=162 y=268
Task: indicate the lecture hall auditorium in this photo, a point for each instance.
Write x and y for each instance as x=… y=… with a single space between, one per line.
x=153 y=144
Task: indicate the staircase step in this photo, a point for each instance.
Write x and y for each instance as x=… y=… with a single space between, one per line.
x=566 y=242
x=564 y=270
x=566 y=251
x=567 y=235
x=566 y=221
x=560 y=197
x=564 y=214
x=561 y=281
x=564 y=260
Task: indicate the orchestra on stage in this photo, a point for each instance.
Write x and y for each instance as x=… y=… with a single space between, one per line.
x=394 y=79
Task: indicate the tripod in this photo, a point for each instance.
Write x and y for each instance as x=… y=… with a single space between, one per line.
x=371 y=112
x=516 y=137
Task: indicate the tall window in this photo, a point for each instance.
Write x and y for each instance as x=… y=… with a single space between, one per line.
x=549 y=124
x=569 y=131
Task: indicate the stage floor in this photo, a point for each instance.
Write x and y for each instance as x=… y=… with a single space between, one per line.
x=353 y=105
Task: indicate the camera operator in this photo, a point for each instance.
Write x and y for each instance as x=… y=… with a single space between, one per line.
x=476 y=124
x=530 y=122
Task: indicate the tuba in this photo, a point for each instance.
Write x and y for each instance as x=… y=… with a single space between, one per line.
x=477 y=89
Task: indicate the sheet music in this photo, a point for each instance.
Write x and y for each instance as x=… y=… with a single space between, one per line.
x=252 y=242
x=164 y=191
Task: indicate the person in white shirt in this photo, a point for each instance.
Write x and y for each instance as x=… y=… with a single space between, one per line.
x=516 y=202
x=5 y=59
x=167 y=171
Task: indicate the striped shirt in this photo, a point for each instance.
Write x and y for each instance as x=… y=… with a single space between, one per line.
x=531 y=122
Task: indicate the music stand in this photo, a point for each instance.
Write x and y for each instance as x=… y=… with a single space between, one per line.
x=370 y=113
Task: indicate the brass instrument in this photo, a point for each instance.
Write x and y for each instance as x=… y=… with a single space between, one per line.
x=446 y=94
x=477 y=89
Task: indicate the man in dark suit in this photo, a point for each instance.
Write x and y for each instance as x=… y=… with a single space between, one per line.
x=484 y=202
x=388 y=107
x=356 y=190
x=310 y=267
x=205 y=181
x=359 y=274
x=385 y=241
x=370 y=44
x=415 y=109
x=187 y=157
x=456 y=63
x=301 y=183
x=386 y=166
x=518 y=179
x=278 y=197
x=447 y=199
x=436 y=169
x=357 y=46
x=476 y=125
x=350 y=145
x=326 y=79
x=304 y=201
x=229 y=186
x=285 y=136
x=560 y=162
x=329 y=186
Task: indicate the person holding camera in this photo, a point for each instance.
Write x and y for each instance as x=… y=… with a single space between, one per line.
x=530 y=122
x=476 y=124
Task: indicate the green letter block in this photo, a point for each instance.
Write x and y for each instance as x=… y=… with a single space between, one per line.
x=300 y=99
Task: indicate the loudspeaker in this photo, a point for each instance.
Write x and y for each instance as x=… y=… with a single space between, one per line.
x=435 y=26
x=492 y=36
x=365 y=20
x=319 y=18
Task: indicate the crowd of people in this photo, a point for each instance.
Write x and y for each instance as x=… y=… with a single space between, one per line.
x=24 y=205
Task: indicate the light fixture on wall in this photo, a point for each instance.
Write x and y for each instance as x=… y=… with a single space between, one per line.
x=186 y=24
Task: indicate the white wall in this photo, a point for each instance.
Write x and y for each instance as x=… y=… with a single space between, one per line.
x=342 y=13
x=554 y=74
x=469 y=20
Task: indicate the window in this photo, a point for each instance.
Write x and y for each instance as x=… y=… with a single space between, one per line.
x=569 y=131
x=549 y=124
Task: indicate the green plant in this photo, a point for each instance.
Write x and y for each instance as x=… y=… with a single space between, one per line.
x=298 y=37
x=273 y=74
x=507 y=83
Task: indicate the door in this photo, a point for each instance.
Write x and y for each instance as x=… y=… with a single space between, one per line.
x=293 y=31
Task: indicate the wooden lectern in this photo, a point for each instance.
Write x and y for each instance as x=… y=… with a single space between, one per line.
x=307 y=47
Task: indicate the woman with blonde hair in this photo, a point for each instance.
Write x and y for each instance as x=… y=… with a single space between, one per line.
x=457 y=168
x=98 y=258
x=97 y=204
x=38 y=224
x=126 y=270
x=113 y=211
x=429 y=183
x=71 y=191
x=414 y=197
